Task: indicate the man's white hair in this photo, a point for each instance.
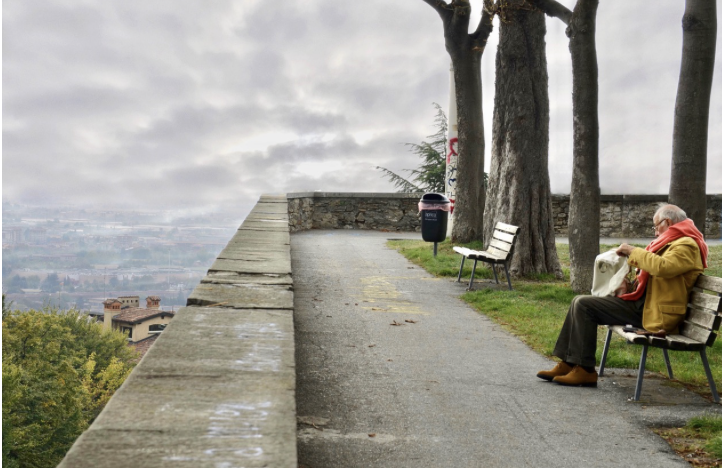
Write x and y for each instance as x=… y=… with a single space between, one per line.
x=671 y=212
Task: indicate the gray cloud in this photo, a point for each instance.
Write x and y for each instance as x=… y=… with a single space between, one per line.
x=176 y=104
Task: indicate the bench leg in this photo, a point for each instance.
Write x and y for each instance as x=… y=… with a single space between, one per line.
x=493 y=268
x=669 y=366
x=458 y=279
x=712 y=386
x=473 y=270
x=640 y=373
x=508 y=280
x=605 y=351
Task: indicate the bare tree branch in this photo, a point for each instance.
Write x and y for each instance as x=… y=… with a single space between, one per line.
x=486 y=25
x=459 y=26
x=554 y=9
x=441 y=7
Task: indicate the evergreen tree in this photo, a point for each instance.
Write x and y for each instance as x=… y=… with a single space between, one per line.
x=431 y=174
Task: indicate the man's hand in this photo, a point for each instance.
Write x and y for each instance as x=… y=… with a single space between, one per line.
x=624 y=250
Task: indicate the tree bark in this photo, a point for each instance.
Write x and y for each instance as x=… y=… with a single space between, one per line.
x=465 y=51
x=687 y=188
x=469 y=205
x=519 y=191
x=584 y=197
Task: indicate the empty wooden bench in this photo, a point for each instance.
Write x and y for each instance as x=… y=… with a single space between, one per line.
x=499 y=252
x=696 y=333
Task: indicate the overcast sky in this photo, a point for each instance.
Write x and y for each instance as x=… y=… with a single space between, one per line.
x=174 y=104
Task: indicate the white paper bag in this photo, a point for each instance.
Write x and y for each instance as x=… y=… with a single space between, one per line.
x=609 y=272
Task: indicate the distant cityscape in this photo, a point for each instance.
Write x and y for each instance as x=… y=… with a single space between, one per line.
x=72 y=257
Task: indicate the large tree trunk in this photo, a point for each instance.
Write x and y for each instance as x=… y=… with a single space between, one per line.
x=687 y=187
x=584 y=197
x=519 y=192
x=469 y=206
x=465 y=51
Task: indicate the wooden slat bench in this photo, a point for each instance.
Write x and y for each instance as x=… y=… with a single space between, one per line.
x=499 y=251
x=696 y=333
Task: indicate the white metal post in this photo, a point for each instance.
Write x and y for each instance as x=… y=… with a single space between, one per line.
x=452 y=155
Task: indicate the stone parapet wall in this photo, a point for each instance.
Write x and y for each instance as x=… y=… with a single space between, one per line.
x=374 y=211
x=626 y=216
x=217 y=389
x=630 y=216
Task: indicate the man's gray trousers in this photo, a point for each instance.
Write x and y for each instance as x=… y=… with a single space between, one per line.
x=577 y=342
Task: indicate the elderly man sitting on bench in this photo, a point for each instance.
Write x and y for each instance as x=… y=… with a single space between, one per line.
x=667 y=270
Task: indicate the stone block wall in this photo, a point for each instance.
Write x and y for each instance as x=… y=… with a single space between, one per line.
x=626 y=216
x=630 y=216
x=714 y=217
x=373 y=211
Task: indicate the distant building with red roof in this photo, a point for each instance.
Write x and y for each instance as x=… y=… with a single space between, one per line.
x=139 y=324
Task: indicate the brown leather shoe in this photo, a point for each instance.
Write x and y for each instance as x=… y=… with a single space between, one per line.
x=562 y=368
x=578 y=377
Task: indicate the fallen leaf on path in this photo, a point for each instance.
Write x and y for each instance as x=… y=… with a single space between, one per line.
x=372 y=435
x=411 y=321
x=371 y=345
x=395 y=324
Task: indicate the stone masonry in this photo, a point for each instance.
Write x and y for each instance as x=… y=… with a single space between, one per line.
x=374 y=211
x=630 y=215
x=626 y=216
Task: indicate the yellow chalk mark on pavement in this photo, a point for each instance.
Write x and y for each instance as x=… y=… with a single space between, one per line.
x=380 y=295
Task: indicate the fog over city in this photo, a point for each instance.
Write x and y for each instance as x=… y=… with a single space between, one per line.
x=201 y=107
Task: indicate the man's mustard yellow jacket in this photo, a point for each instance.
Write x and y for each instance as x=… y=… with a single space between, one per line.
x=673 y=270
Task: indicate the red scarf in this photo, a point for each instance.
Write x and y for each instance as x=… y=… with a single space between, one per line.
x=684 y=228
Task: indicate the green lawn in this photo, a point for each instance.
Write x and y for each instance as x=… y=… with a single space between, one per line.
x=535 y=309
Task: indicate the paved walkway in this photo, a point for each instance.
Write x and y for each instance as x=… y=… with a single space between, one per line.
x=447 y=387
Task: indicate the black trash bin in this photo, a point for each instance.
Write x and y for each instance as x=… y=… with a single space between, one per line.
x=434 y=210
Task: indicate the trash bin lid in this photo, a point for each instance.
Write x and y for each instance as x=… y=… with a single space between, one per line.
x=434 y=197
